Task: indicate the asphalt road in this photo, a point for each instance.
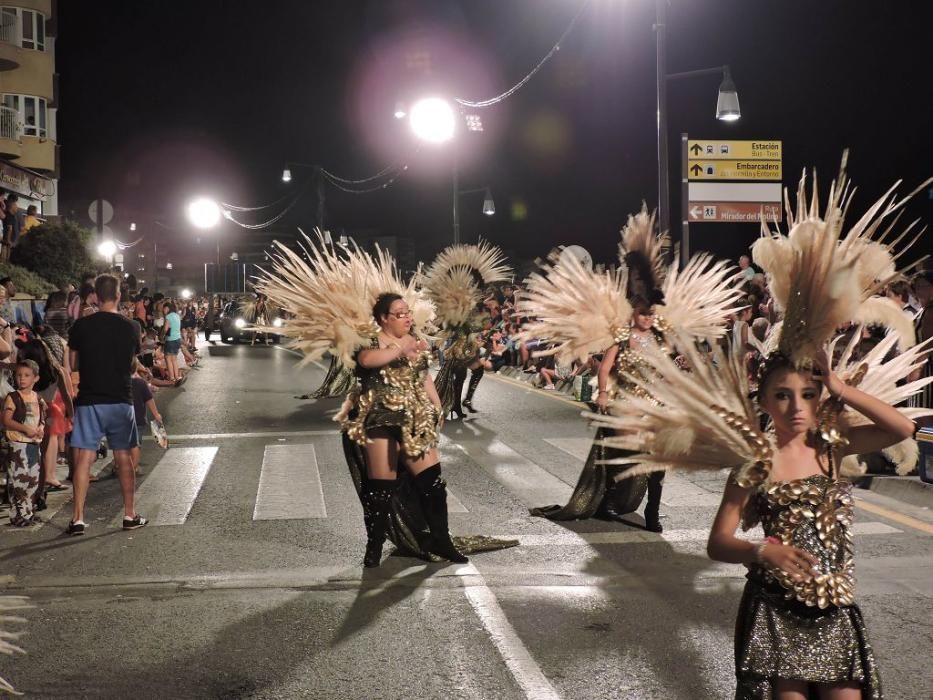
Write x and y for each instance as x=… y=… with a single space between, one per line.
x=248 y=582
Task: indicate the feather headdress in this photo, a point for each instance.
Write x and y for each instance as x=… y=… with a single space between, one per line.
x=700 y=297
x=823 y=278
x=455 y=280
x=328 y=298
x=579 y=311
x=697 y=420
x=643 y=252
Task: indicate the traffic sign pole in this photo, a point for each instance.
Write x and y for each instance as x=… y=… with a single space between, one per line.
x=684 y=201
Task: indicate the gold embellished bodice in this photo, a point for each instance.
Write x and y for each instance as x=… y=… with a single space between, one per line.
x=630 y=361
x=394 y=396
x=814 y=514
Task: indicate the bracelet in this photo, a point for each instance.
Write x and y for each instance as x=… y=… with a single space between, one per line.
x=602 y=391
x=759 y=551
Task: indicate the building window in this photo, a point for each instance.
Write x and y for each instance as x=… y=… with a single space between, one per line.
x=25 y=28
x=32 y=112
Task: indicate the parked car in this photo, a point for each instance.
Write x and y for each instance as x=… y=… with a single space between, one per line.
x=233 y=325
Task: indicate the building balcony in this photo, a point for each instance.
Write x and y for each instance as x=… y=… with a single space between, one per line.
x=39 y=154
x=9 y=54
x=11 y=134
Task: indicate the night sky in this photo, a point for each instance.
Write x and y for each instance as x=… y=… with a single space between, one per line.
x=163 y=100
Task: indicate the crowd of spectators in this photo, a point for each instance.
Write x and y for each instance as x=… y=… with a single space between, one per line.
x=41 y=390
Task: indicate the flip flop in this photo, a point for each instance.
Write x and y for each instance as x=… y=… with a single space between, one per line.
x=52 y=488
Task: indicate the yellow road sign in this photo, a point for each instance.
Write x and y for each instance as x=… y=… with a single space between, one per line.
x=765 y=149
x=734 y=170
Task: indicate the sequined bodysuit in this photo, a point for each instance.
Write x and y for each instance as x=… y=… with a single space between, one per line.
x=393 y=396
x=805 y=630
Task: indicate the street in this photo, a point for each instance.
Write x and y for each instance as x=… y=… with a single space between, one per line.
x=248 y=582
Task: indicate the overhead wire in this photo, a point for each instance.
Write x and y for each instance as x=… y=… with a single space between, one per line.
x=480 y=104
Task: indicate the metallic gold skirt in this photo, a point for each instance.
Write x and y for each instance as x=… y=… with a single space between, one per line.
x=780 y=639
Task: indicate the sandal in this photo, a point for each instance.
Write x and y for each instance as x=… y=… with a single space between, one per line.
x=52 y=488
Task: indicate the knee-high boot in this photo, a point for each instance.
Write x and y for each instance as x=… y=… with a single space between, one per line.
x=458 y=379
x=432 y=490
x=475 y=376
x=377 y=500
x=653 y=505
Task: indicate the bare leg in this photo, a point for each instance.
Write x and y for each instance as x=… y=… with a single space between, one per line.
x=134 y=456
x=123 y=461
x=50 y=460
x=848 y=691
x=80 y=480
x=790 y=690
x=381 y=456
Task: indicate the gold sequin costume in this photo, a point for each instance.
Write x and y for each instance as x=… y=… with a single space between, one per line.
x=810 y=630
x=598 y=480
x=394 y=397
x=462 y=352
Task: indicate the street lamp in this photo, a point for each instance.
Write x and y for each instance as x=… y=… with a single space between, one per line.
x=287 y=175
x=107 y=249
x=400 y=112
x=204 y=212
x=727 y=103
x=489 y=206
x=186 y=294
x=432 y=119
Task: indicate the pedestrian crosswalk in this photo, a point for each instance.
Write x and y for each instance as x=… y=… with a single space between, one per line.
x=299 y=479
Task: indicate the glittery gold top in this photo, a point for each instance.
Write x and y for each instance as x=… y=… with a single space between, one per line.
x=394 y=396
x=814 y=514
x=630 y=361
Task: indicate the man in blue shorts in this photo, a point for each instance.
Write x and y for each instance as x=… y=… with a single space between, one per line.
x=102 y=349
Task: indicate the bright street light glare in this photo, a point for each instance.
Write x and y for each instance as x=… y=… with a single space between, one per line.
x=433 y=120
x=185 y=293
x=286 y=175
x=204 y=212
x=107 y=249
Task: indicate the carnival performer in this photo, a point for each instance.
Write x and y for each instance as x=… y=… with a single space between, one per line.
x=353 y=305
x=621 y=314
x=455 y=282
x=799 y=633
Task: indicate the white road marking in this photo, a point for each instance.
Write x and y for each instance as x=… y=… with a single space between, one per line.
x=272 y=434
x=289 y=484
x=517 y=658
x=525 y=479
x=454 y=505
x=567 y=537
x=169 y=492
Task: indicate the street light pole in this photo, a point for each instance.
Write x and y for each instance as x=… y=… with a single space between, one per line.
x=456 y=203
x=660 y=28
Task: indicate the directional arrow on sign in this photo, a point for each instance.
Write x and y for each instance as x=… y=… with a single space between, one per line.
x=695 y=212
x=696 y=169
x=696 y=149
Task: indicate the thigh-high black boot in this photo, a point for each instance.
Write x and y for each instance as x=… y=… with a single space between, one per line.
x=432 y=490
x=459 y=377
x=653 y=506
x=376 y=498
x=475 y=376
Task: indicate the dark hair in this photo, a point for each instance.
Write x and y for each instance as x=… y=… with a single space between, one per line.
x=5 y=280
x=169 y=304
x=383 y=304
x=901 y=289
x=641 y=305
x=87 y=289
x=56 y=299
x=12 y=197
x=107 y=288
x=772 y=364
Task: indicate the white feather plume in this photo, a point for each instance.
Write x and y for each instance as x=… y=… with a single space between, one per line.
x=699 y=298
x=450 y=283
x=699 y=419
x=577 y=310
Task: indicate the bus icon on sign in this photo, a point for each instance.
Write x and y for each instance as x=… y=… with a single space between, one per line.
x=710 y=150
x=724 y=149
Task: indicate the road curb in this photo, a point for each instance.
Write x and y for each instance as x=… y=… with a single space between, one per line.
x=907 y=489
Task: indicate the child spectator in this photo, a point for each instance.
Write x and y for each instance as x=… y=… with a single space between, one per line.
x=24 y=414
x=143 y=403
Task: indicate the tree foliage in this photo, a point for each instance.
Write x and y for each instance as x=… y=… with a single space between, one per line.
x=60 y=252
x=26 y=281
